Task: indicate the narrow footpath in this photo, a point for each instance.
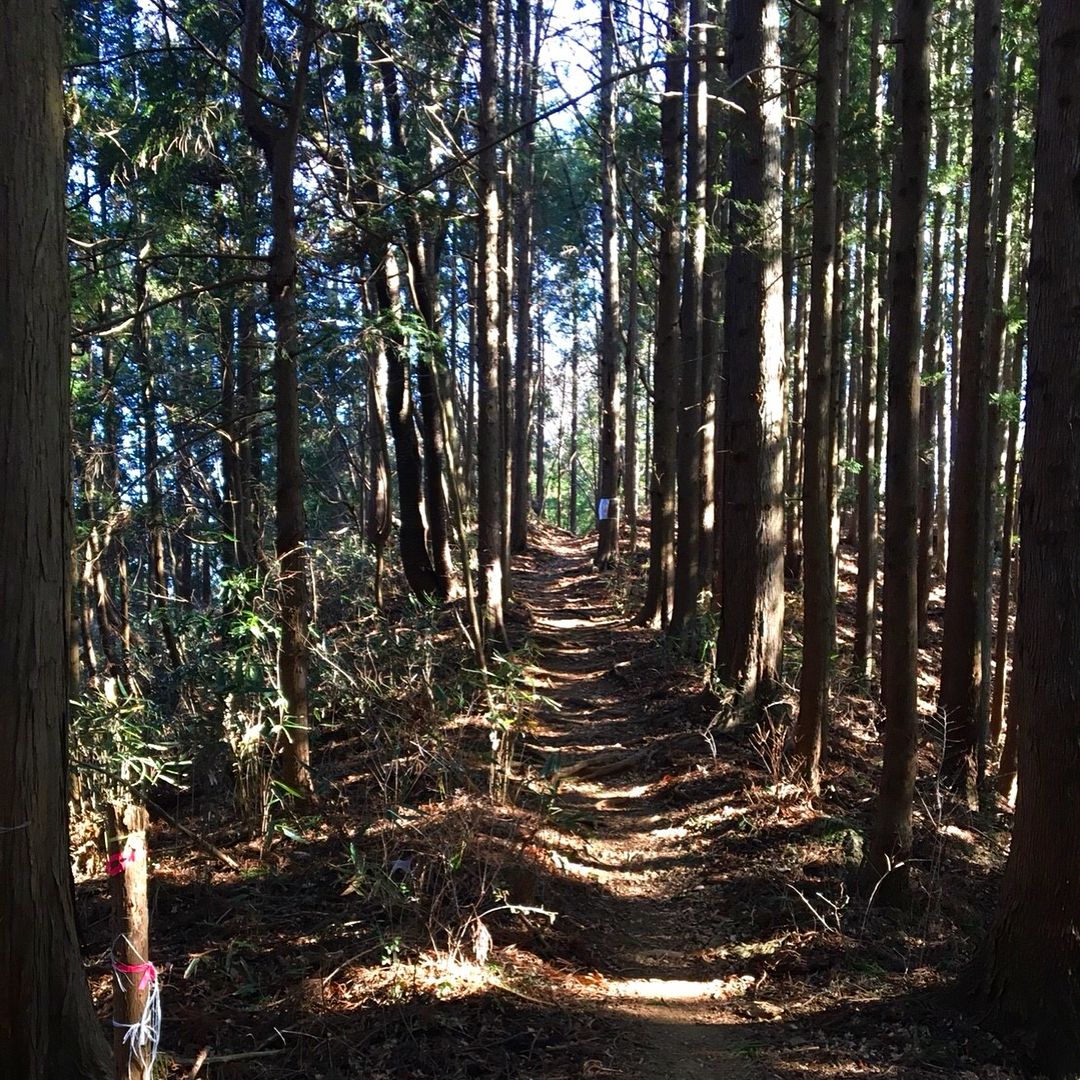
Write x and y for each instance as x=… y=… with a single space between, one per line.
x=626 y=868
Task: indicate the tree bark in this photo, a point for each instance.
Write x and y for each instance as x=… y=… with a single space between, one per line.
x=712 y=306
x=48 y=1030
x=660 y=595
x=528 y=71
x=749 y=642
x=886 y=870
x=633 y=314
x=933 y=380
x=966 y=575
x=490 y=487
x=688 y=534
x=611 y=464
x=867 y=488
x=278 y=143
x=1025 y=977
x=817 y=468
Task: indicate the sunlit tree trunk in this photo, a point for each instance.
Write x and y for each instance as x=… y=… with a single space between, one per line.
x=490 y=487
x=749 y=645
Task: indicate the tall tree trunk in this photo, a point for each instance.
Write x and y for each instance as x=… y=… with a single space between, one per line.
x=433 y=382
x=749 y=643
x=886 y=870
x=48 y=1030
x=966 y=575
x=933 y=377
x=688 y=537
x=610 y=478
x=817 y=468
x=523 y=241
x=633 y=312
x=541 y=417
x=575 y=353
x=155 y=512
x=379 y=519
x=1002 y=287
x=867 y=488
x=660 y=594
x=278 y=142
x=1025 y=976
x=419 y=571
x=490 y=487
x=1001 y=641
x=712 y=306
x=793 y=541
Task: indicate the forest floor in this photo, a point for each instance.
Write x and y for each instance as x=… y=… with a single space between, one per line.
x=652 y=898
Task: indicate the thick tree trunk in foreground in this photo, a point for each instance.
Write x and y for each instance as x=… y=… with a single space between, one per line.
x=749 y=645
x=48 y=1030
x=1025 y=977
x=660 y=596
x=886 y=869
x=966 y=575
x=817 y=468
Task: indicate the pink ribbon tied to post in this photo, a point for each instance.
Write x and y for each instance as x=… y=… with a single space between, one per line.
x=115 y=863
x=147 y=970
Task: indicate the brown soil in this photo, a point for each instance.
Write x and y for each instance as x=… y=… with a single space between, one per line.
x=653 y=899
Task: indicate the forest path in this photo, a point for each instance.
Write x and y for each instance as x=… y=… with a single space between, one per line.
x=621 y=865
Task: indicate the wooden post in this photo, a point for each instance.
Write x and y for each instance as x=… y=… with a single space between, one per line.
x=133 y=976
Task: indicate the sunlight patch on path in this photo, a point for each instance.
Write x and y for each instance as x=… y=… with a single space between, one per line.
x=674 y=990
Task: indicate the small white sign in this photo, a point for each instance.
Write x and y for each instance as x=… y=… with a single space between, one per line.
x=602 y=510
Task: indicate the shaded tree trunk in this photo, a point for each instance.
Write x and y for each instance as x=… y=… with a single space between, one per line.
x=528 y=68
x=962 y=694
x=48 y=1030
x=633 y=306
x=278 y=143
x=610 y=478
x=817 y=468
x=688 y=536
x=886 y=869
x=660 y=595
x=1025 y=976
x=712 y=306
x=867 y=489
x=933 y=382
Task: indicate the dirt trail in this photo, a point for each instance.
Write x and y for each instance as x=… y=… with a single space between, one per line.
x=621 y=839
